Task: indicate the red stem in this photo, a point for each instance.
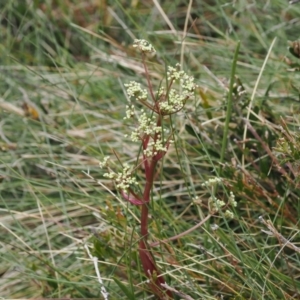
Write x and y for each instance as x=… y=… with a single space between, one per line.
x=149 y=172
x=146 y=256
x=146 y=197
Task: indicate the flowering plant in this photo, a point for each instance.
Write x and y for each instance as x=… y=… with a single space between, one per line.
x=155 y=140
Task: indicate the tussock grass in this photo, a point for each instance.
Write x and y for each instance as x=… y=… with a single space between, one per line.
x=63 y=66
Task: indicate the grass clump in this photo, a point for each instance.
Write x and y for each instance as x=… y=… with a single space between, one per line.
x=215 y=217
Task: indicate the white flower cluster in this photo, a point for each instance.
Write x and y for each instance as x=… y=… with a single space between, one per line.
x=154 y=147
x=143 y=46
x=175 y=101
x=187 y=82
x=147 y=126
x=228 y=214
x=231 y=200
x=215 y=204
x=129 y=112
x=134 y=90
x=123 y=179
x=212 y=182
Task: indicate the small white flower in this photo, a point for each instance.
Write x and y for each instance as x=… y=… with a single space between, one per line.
x=231 y=200
x=103 y=163
x=214 y=227
x=147 y=126
x=129 y=112
x=110 y=175
x=215 y=204
x=154 y=147
x=135 y=90
x=124 y=179
x=143 y=46
x=212 y=182
x=220 y=203
x=229 y=214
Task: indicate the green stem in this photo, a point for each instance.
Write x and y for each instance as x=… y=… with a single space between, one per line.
x=229 y=104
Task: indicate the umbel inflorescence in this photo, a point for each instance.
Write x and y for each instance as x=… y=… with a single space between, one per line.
x=149 y=129
x=155 y=140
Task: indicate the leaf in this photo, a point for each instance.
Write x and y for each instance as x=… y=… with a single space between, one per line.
x=191 y=131
x=125 y=290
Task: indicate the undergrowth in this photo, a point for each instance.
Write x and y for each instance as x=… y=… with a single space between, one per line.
x=64 y=70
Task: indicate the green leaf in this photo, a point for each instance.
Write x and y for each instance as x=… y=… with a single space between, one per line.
x=125 y=290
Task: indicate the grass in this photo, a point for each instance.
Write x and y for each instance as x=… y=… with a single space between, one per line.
x=62 y=103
